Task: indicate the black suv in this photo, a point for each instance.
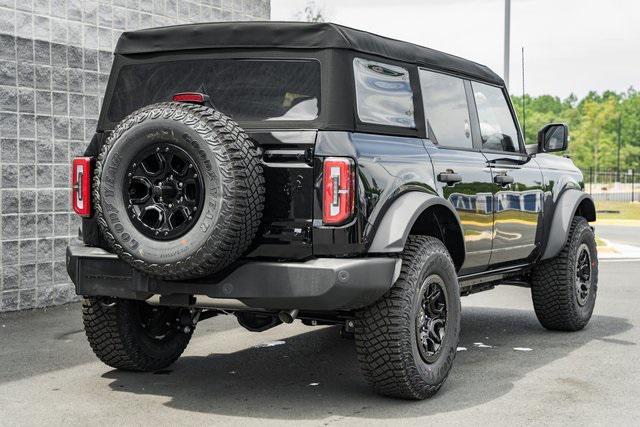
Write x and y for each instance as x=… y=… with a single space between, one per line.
x=282 y=171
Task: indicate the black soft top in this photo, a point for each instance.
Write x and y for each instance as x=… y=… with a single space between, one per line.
x=294 y=35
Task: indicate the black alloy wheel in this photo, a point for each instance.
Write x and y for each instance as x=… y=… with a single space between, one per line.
x=431 y=320
x=163 y=191
x=583 y=274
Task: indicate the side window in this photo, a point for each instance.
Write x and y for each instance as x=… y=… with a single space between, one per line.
x=383 y=94
x=497 y=128
x=445 y=109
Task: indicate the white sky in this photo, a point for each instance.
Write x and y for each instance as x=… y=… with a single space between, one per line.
x=570 y=45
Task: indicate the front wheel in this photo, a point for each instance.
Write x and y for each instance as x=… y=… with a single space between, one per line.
x=133 y=335
x=407 y=340
x=564 y=288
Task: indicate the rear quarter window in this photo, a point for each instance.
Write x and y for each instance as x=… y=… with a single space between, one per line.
x=383 y=94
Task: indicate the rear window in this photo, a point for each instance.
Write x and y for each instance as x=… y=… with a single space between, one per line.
x=383 y=93
x=246 y=90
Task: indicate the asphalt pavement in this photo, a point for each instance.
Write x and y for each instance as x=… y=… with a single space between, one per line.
x=48 y=374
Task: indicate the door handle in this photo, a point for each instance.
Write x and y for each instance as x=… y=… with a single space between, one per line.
x=503 y=180
x=449 y=177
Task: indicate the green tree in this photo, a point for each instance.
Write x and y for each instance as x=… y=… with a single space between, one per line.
x=593 y=126
x=593 y=140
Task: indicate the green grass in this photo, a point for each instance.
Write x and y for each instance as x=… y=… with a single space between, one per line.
x=627 y=210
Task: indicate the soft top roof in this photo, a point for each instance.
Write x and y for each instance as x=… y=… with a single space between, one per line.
x=294 y=35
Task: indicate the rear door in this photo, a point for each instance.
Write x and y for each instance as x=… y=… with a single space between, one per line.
x=460 y=167
x=517 y=181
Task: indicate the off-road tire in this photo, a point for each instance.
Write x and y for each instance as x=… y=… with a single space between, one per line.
x=385 y=331
x=224 y=230
x=118 y=339
x=553 y=285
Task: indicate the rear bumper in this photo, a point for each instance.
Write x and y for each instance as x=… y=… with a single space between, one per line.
x=321 y=284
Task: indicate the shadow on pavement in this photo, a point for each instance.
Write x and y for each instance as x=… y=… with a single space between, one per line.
x=275 y=382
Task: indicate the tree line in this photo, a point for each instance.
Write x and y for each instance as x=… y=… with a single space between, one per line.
x=595 y=124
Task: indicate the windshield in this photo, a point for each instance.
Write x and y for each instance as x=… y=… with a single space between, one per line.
x=245 y=90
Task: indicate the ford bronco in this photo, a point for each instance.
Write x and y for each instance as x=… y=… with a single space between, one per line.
x=310 y=171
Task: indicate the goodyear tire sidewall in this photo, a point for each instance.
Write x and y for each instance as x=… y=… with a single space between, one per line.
x=199 y=142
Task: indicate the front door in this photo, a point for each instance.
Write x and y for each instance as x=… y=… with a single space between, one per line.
x=460 y=168
x=517 y=181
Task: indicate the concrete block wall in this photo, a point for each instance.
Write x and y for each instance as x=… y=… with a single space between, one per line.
x=55 y=57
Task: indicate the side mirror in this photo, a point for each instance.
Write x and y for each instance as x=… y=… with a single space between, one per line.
x=553 y=137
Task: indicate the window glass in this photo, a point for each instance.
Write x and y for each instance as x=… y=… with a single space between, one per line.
x=383 y=93
x=497 y=128
x=246 y=90
x=445 y=108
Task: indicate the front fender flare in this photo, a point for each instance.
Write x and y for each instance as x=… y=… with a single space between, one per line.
x=565 y=210
x=393 y=230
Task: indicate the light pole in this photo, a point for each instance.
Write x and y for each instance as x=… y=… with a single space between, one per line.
x=507 y=31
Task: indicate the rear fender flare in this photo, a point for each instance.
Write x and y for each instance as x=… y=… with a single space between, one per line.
x=393 y=230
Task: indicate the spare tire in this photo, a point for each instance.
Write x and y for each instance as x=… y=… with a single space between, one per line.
x=179 y=190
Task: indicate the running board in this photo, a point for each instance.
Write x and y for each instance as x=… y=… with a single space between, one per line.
x=491 y=276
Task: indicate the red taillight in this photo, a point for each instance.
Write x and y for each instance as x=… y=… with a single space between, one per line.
x=338 y=190
x=81 y=185
x=191 y=97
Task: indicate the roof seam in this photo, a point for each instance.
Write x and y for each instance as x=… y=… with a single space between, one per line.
x=342 y=34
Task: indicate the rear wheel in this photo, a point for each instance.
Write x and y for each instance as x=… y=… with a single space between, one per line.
x=564 y=288
x=133 y=335
x=407 y=341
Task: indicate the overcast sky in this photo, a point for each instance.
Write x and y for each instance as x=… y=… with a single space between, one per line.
x=570 y=45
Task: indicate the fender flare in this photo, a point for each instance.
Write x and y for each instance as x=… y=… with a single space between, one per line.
x=565 y=210
x=393 y=230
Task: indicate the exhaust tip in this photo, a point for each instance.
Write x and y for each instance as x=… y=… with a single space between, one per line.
x=288 y=316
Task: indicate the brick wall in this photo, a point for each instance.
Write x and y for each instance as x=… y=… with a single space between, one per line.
x=55 y=57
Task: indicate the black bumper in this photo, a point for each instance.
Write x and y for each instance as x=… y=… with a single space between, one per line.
x=318 y=284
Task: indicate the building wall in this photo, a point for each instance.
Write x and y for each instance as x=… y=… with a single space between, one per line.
x=55 y=57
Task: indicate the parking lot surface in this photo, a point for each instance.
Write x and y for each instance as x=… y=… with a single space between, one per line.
x=509 y=371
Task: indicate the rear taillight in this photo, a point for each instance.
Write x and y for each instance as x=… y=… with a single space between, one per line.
x=190 y=97
x=338 y=190
x=81 y=185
